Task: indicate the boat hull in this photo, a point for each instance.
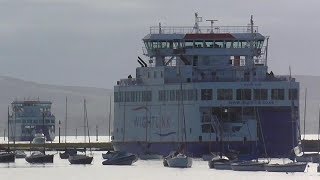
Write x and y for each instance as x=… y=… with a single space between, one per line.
x=222 y=165
x=39 y=159
x=125 y=160
x=80 y=159
x=179 y=162
x=248 y=166
x=7 y=157
x=289 y=167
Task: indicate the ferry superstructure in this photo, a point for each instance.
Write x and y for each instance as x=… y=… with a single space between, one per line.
x=207 y=87
x=31 y=117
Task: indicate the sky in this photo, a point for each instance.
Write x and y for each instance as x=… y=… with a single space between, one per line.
x=96 y=42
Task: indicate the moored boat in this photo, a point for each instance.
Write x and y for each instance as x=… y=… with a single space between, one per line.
x=179 y=161
x=288 y=167
x=6 y=157
x=39 y=157
x=80 y=159
x=121 y=158
x=249 y=166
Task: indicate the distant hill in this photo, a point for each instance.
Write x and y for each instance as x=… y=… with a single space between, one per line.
x=98 y=102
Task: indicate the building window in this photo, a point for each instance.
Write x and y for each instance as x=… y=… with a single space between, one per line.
x=293 y=94
x=243 y=94
x=260 y=94
x=224 y=94
x=206 y=94
x=155 y=74
x=277 y=94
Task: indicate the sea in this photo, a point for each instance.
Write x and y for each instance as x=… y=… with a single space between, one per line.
x=141 y=170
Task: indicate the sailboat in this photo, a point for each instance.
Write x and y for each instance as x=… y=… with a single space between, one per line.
x=67 y=152
x=148 y=155
x=179 y=159
x=254 y=165
x=40 y=157
x=8 y=156
x=82 y=158
x=292 y=166
x=109 y=154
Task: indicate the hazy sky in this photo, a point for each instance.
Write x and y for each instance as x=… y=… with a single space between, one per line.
x=95 y=43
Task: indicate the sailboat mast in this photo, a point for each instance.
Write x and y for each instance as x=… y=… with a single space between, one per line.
x=304 y=117
x=44 y=142
x=109 y=119
x=66 y=124
x=319 y=132
x=87 y=124
x=8 y=129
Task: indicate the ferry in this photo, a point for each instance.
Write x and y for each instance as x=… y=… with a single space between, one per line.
x=207 y=87
x=29 y=118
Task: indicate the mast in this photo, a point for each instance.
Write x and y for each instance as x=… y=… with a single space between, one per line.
x=87 y=124
x=304 y=117
x=66 y=124
x=84 y=123
x=319 y=133
x=44 y=142
x=109 y=119
x=8 y=129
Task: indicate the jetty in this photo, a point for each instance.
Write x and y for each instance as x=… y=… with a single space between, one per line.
x=102 y=146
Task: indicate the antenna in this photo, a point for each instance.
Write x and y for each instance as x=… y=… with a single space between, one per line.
x=251 y=24
x=197 y=19
x=211 y=21
x=159 y=27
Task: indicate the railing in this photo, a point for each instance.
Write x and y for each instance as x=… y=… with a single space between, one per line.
x=202 y=29
x=128 y=82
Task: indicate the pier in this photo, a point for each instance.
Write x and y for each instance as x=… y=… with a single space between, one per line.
x=308 y=146
x=103 y=146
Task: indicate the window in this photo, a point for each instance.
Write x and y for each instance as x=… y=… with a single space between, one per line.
x=229 y=44
x=243 y=94
x=189 y=44
x=148 y=74
x=206 y=94
x=260 y=94
x=218 y=44
x=155 y=74
x=224 y=94
x=198 y=44
x=277 y=94
x=293 y=94
x=209 y=44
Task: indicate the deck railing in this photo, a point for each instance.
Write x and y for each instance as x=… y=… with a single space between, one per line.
x=202 y=29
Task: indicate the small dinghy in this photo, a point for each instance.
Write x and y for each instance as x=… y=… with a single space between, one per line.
x=39 y=157
x=80 y=159
x=121 y=158
x=288 y=167
x=179 y=161
x=218 y=162
x=6 y=157
x=20 y=154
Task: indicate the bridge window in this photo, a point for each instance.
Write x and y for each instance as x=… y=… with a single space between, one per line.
x=244 y=44
x=243 y=94
x=229 y=44
x=277 y=94
x=260 y=94
x=189 y=44
x=219 y=44
x=198 y=44
x=209 y=44
x=206 y=94
x=236 y=44
x=224 y=94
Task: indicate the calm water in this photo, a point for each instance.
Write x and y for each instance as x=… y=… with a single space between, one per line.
x=141 y=170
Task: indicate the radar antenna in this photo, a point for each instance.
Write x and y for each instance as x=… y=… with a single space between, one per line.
x=211 y=21
x=197 y=19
